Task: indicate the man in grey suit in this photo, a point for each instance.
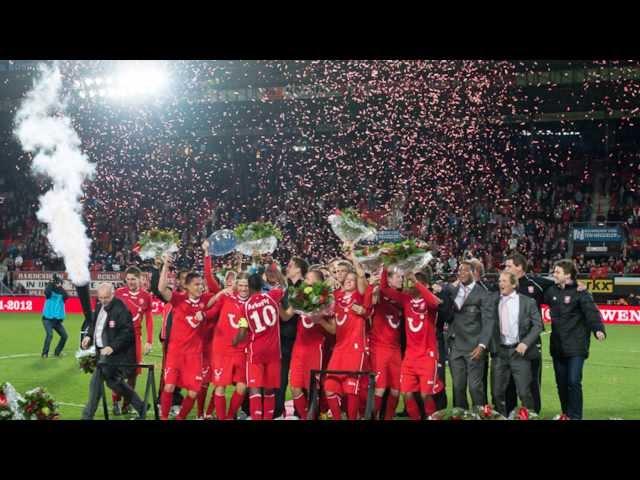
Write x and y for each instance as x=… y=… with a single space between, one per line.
x=468 y=335
x=513 y=343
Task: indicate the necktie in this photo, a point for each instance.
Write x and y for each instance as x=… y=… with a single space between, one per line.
x=465 y=293
x=504 y=317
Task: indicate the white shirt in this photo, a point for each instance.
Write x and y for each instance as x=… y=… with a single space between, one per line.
x=509 y=324
x=463 y=294
x=100 y=323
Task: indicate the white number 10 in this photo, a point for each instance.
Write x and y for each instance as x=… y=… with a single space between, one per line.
x=269 y=316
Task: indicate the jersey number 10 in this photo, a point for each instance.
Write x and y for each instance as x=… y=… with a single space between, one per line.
x=269 y=317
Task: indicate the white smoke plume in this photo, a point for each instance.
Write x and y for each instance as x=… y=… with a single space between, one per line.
x=44 y=130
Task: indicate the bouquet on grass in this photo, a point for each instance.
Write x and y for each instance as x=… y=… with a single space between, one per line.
x=257 y=238
x=10 y=403
x=87 y=359
x=487 y=412
x=405 y=256
x=155 y=243
x=523 y=413
x=351 y=227
x=454 y=414
x=313 y=301
x=38 y=404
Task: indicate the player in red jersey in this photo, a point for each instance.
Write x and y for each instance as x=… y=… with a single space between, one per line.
x=339 y=268
x=262 y=314
x=183 y=366
x=207 y=335
x=351 y=351
x=419 y=370
x=384 y=340
x=308 y=351
x=138 y=301
x=228 y=359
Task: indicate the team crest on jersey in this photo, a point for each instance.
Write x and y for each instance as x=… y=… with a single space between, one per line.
x=141 y=301
x=567 y=299
x=414 y=328
x=531 y=290
x=112 y=324
x=217 y=373
x=393 y=324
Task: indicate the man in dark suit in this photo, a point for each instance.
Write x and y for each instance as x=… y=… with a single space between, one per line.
x=471 y=326
x=111 y=331
x=513 y=344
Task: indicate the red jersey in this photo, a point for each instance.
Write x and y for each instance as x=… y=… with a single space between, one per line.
x=139 y=304
x=386 y=320
x=351 y=331
x=420 y=315
x=309 y=334
x=263 y=314
x=212 y=284
x=186 y=330
x=229 y=309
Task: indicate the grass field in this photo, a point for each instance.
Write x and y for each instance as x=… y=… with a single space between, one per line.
x=611 y=380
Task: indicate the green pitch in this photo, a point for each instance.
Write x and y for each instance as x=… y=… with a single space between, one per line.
x=611 y=380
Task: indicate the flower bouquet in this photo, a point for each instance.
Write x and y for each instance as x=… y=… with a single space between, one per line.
x=523 y=413
x=405 y=257
x=10 y=403
x=155 y=243
x=454 y=414
x=257 y=238
x=351 y=227
x=38 y=404
x=369 y=257
x=487 y=412
x=313 y=301
x=87 y=359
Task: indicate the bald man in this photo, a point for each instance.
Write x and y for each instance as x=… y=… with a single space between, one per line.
x=111 y=331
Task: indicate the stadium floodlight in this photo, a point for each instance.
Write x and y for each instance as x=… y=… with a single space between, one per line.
x=137 y=79
x=130 y=80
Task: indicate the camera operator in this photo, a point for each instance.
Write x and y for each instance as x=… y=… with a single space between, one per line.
x=53 y=315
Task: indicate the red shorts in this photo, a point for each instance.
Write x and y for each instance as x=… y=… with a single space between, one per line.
x=264 y=375
x=229 y=369
x=345 y=384
x=385 y=363
x=303 y=360
x=185 y=371
x=420 y=375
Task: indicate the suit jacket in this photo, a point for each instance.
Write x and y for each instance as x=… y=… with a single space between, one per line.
x=118 y=333
x=473 y=323
x=529 y=325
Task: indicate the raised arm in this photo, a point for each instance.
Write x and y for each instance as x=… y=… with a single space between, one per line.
x=209 y=277
x=163 y=284
x=362 y=278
